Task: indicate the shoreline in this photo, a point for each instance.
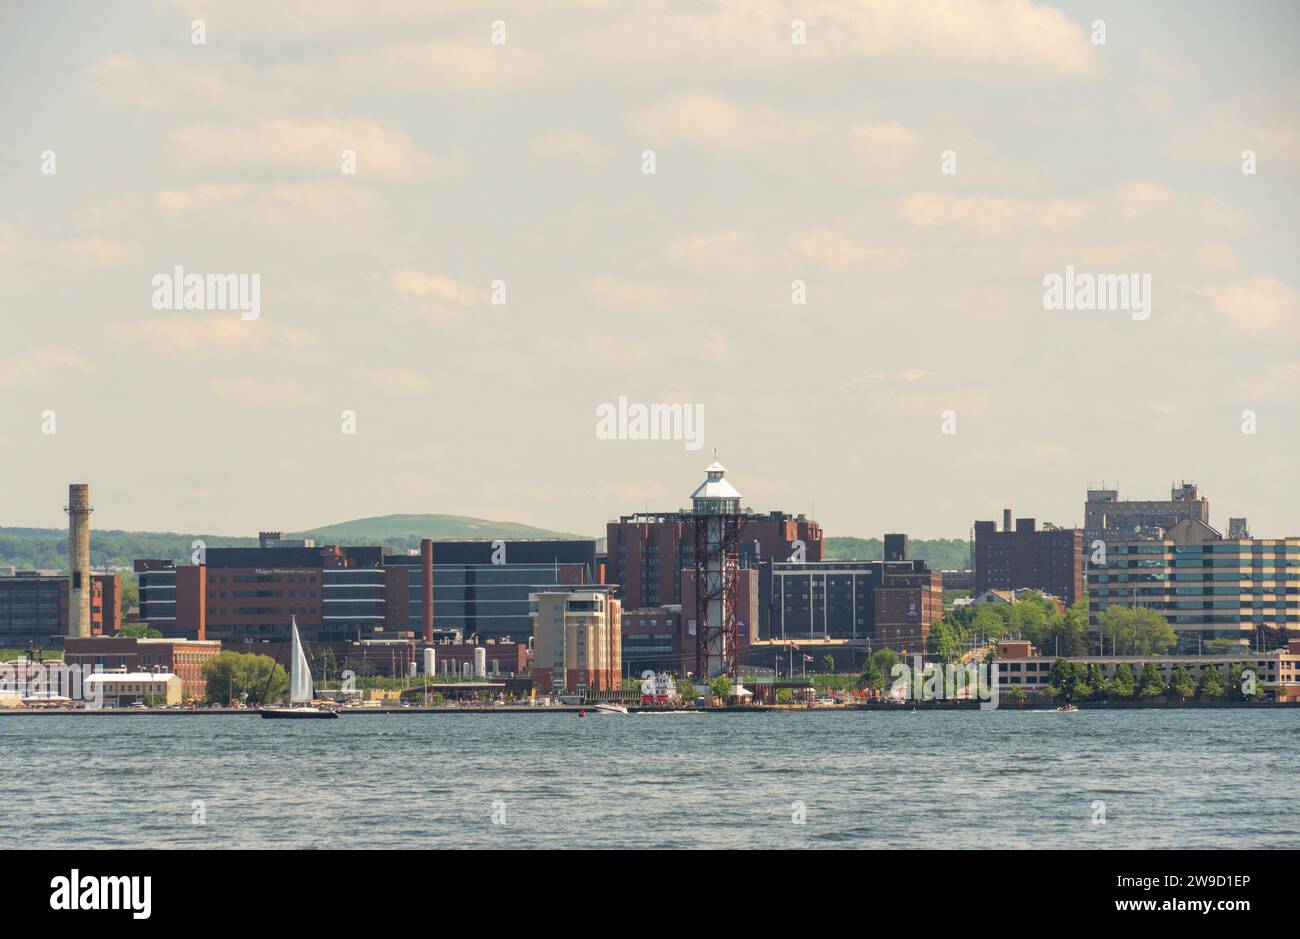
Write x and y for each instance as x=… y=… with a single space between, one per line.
x=883 y=707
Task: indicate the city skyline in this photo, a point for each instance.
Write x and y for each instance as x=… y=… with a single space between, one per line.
x=522 y=163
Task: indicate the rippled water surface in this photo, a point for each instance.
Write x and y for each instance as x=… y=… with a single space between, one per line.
x=1169 y=779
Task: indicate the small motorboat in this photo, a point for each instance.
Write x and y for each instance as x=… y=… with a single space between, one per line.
x=1067 y=709
x=605 y=707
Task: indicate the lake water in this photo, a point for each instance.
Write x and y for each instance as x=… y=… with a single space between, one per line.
x=1169 y=779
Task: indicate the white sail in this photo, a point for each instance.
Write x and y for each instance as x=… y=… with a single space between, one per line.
x=299 y=674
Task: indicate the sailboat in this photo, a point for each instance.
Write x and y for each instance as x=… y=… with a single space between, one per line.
x=300 y=689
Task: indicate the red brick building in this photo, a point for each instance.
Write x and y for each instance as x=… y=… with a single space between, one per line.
x=183 y=657
x=1049 y=560
x=648 y=552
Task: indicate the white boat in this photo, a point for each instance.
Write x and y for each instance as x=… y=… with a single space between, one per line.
x=605 y=707
x=301 y=694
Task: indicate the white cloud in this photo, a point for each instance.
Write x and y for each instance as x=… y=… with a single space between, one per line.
x=182 y=82
x=396 y=380
x=207 y=335
x=312 y=147
x=711 y=121
x=1276 y=381
x=629 y=294
x=284 y=392
x=434 y=297
x=989 y=215
x=1219 y=258
x=42 y=364
x=976 y=39
x=835 y=251
x=1259 y=305
x=411 y=283
x=906 y=375
x=1140 y=197
x=568 y=144
x=32 y=262
x=730 y=253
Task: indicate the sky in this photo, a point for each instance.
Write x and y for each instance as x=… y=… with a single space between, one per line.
x=920 y=167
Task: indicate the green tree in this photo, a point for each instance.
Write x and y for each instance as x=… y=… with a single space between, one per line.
x=1211 y=683
x=233 y=675
x=1124 y=684
x=1097 y=682
x=784 y=696
x=1152 y=685
x=1243 y=682
x=1069 y=680
x=872 y=678
x=1014 y=693
x=944 y=642
x=1136 y=630
x=885 y=660
x=130 y=593
x=828 y=664
x=990 y=621
x=686 y=690
x=720 y=686
x=1181 y=685
x=140 y=631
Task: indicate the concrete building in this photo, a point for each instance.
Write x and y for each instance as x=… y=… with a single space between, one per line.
x=1207 y=586
x=123 y=689
x=875 y=603
x=35 y=607
x=1049 y=560
x=185 y=658
x=1278 y=671
x=1108 y=518
x=577 y=641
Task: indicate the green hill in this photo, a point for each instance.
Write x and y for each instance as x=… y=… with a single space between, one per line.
x=398 y=530
x=942 y=554
x=47 y=548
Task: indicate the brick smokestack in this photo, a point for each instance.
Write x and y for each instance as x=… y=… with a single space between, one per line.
x=1006 y=520
x=79 y=509
x=426 y=586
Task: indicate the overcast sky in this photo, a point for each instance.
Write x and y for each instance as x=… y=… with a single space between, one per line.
x=522 y=162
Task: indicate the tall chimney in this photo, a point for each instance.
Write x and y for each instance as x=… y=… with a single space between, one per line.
x=426 y=586
x=79 y=509
x=1006 y=520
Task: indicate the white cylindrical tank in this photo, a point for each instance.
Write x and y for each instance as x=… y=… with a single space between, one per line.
x=480 y=662
x=464 y=670
x=412 y=668
x=430 y=661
